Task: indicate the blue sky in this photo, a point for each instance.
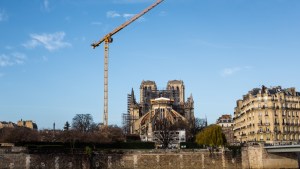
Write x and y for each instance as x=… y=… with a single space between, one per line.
x=221 y=49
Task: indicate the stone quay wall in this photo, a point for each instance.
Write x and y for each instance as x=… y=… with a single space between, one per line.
x=257 y=157
x=122 y=159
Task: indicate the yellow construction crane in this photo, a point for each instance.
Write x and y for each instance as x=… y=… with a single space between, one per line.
x=107 y=39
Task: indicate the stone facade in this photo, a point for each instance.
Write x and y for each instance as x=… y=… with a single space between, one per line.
x=250 y=157
x=226 y=122
x=28 y=123
x=270 y=115
x=4 y=124
x=146 y=159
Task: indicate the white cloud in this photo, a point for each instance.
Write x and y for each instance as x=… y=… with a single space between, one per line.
x=126 y=16
x=3 y=15
x=9 y=47
x=231 y=71
x=46 y=5
x=67 y=18
x=51 y=42
x=5 y=61
x=45 y=58
x=12 y=59
x=163 y=13
x=112 y=14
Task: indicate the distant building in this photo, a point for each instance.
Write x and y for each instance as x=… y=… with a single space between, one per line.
x=270 y=115
x=4 y=124
x=226 y=122
x=28 y=124
x=156 y=107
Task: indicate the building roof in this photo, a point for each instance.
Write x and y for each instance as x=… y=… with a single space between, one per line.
x=274 y=90
x=225 y=118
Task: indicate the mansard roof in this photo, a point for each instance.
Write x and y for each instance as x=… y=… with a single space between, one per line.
x=273 y=91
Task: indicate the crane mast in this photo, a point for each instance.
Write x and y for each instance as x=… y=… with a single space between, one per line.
x=107 y=39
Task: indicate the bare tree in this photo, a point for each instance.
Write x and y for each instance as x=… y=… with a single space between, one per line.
x=196 y=127
x=18 y=134
x=83 y=123
x=165 y=133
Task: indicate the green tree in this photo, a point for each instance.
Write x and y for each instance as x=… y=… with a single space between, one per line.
x=67 y=126
x=211 y=136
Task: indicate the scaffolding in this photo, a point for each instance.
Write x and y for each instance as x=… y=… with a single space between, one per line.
x=128 y=119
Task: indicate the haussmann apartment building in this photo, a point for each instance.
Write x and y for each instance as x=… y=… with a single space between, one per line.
x=270 y=115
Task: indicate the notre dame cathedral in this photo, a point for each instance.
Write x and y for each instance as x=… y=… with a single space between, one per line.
x=169 y=105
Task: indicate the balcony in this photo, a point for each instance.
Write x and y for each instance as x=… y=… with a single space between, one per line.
x=252 y=132
x=260 y=131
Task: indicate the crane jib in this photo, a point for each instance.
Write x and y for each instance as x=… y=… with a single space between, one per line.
x=122 y=26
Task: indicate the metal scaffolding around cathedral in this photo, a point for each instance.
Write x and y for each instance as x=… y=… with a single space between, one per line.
x=145 y=117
